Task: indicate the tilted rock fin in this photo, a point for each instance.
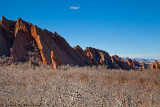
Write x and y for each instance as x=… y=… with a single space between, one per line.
x=23 y=42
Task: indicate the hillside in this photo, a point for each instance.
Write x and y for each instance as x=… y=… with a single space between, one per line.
x=20 y=38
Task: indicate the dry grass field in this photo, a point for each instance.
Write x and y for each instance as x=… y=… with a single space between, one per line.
x=24 y=85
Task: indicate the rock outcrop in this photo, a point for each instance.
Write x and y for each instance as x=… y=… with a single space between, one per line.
x=132 y=63
x=129 y=61
x=157 y=66
x=119 y=63
x=99 y=57
x=6 y=36
x=4 y=48
x=83 y=55
x=152 y=66
x=23 y=42
x=143 y=65
x=54 y=49
x=19 y=38
x=8 y=25
x=135 y=62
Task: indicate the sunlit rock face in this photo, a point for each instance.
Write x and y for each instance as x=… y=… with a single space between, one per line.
x=157 y=65
x=18 y=38
x=54 y=49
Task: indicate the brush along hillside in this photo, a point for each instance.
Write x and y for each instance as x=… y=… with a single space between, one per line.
x=25 y=85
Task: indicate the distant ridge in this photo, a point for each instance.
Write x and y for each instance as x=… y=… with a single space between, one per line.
x=144 y=59
x=19 y=38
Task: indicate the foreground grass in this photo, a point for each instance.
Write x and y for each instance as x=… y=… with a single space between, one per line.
x=25 y=85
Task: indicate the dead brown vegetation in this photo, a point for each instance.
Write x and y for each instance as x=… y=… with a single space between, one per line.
x=26 y=85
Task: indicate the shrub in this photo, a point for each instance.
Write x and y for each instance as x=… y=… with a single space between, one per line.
x=25 y=85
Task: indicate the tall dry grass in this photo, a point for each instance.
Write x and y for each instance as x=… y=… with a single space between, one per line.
x=25 y=85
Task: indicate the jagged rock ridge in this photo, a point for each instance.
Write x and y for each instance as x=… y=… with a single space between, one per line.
x=18 y=38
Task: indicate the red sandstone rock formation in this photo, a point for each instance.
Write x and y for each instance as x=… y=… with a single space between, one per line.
x=6 y=36
x=54 y=49
x=119 y=63
x=99 y=57
x=64 y=46
x=152 y=66
x=4 y=49
x=132 y=63
x=129 y=61
x=23 y=42
x=143 y=66
x=157 y=66
x=18 y=38
x=116 y=63
x=83 y=55
x=135 y=62
x=8 y=25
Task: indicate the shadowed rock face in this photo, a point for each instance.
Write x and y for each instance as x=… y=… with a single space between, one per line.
x=99 y=57
x=7 y=29
x=23 y=42
x=8 y=25
x=132 y=63
x=66 y=48
x=135 y=62
x=18 y=38
x=4 y=48
x=119 y=63
x=83 y=55
x=152 y=66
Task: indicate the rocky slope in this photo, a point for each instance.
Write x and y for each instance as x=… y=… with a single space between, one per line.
x=18 y=38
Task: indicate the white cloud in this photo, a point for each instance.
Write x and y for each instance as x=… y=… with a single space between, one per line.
x=74 y=7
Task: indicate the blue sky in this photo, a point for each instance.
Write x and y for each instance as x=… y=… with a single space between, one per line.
x=123 y=27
